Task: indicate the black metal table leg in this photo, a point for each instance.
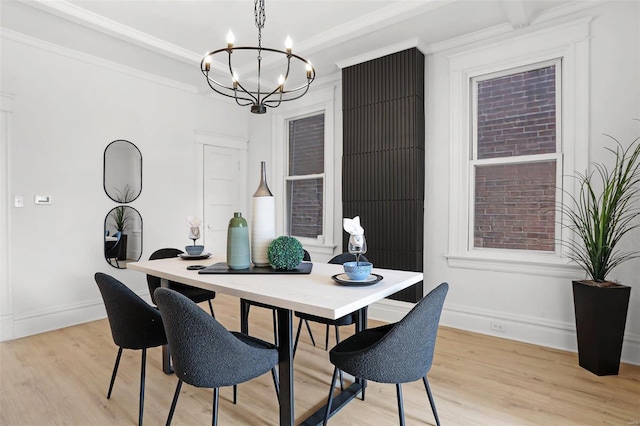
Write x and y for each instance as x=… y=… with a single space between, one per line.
x=244 y=316
x=166 y=356
x=361 y=325
x=285 y=366
x=342 y=398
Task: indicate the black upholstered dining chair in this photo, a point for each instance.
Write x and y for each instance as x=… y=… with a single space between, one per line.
x=395 y=353
x=196 y=294
x=207 y=355
x=344 y=320
x=247 y=304
x=134 y=325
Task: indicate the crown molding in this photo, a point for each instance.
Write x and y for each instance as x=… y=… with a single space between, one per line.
x=363 y=25
x=94 y=60
x=515 y=12
x=91 y=20
x=567 y=9
x=549 y=17
x=369 y=23
x=383 y=51
x=469 y=38
x=575 y=30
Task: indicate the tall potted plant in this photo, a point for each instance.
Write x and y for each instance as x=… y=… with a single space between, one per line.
x=606 y=209
x=122 y=218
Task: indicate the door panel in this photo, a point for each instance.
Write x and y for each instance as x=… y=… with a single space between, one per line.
x=224 y=193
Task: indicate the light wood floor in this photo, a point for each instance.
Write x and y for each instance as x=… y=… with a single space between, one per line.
x=61 y=378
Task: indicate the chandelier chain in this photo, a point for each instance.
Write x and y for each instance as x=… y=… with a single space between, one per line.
x=260 y=17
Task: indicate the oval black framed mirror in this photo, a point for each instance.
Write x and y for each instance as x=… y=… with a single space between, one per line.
x=122 y=173
x=122 y=236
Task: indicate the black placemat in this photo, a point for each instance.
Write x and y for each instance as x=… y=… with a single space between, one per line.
x=222 y=268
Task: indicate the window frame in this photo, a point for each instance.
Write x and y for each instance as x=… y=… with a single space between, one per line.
x=568 y=43
x=293 y=178
x=474 y=162
x=317 y=102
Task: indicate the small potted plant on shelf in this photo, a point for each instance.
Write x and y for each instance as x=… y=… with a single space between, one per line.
x=606 y=209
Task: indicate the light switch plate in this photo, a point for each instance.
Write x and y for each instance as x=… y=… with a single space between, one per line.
x=18 y=201
x=42 y=199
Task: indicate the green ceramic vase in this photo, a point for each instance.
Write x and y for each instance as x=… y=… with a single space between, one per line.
x=238 y=250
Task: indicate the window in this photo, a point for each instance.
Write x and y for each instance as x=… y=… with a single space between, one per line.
x=305 y=165
x=515 y=158
x=519 y=123
x=305 y=180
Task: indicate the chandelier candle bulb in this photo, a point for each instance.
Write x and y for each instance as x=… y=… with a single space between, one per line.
x=230 y=40
x=288 y=44
x=235 y=80
x=207 y=63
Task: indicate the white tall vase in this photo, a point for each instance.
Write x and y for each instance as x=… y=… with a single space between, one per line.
x=263 y=221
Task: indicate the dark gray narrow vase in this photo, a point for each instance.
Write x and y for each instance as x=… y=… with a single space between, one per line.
x=238 y=252
x=601 y=315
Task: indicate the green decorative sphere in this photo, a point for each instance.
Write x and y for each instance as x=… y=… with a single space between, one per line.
x=285 y=253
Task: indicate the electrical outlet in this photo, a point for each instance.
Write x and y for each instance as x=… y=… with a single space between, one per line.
x=42 y=199
x=497 y=326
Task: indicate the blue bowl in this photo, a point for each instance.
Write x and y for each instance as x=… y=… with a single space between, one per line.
x=358 y=271
x=194 y=250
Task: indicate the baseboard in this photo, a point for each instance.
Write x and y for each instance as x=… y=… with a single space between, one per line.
x=6 y=327
x=57 y=318
x=389 y=310
x=552 y=334
x=16 y=326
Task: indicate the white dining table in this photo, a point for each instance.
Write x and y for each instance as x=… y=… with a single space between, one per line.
x=315 y=293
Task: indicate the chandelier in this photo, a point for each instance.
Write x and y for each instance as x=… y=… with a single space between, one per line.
x=258 y=92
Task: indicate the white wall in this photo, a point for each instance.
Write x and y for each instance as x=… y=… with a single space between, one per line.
x=531 y=308
x=67 y=108
x=534 y=308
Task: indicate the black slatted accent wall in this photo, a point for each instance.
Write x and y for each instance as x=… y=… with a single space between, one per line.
x=383 y=159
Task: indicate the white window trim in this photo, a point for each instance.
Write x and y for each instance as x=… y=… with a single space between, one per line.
x=320 y=101
x=521 y=159
x=6 y=285
x=570 y=42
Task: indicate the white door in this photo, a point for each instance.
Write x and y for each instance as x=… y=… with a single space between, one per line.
x=224 y=178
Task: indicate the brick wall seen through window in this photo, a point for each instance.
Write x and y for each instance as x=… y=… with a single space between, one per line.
x=516 y=116
x=305 y=195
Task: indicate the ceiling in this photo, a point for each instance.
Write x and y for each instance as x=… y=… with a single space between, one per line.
x=169 y=37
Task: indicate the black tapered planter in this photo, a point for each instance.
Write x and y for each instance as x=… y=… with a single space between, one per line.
x=601 y=315
x=122 y=252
